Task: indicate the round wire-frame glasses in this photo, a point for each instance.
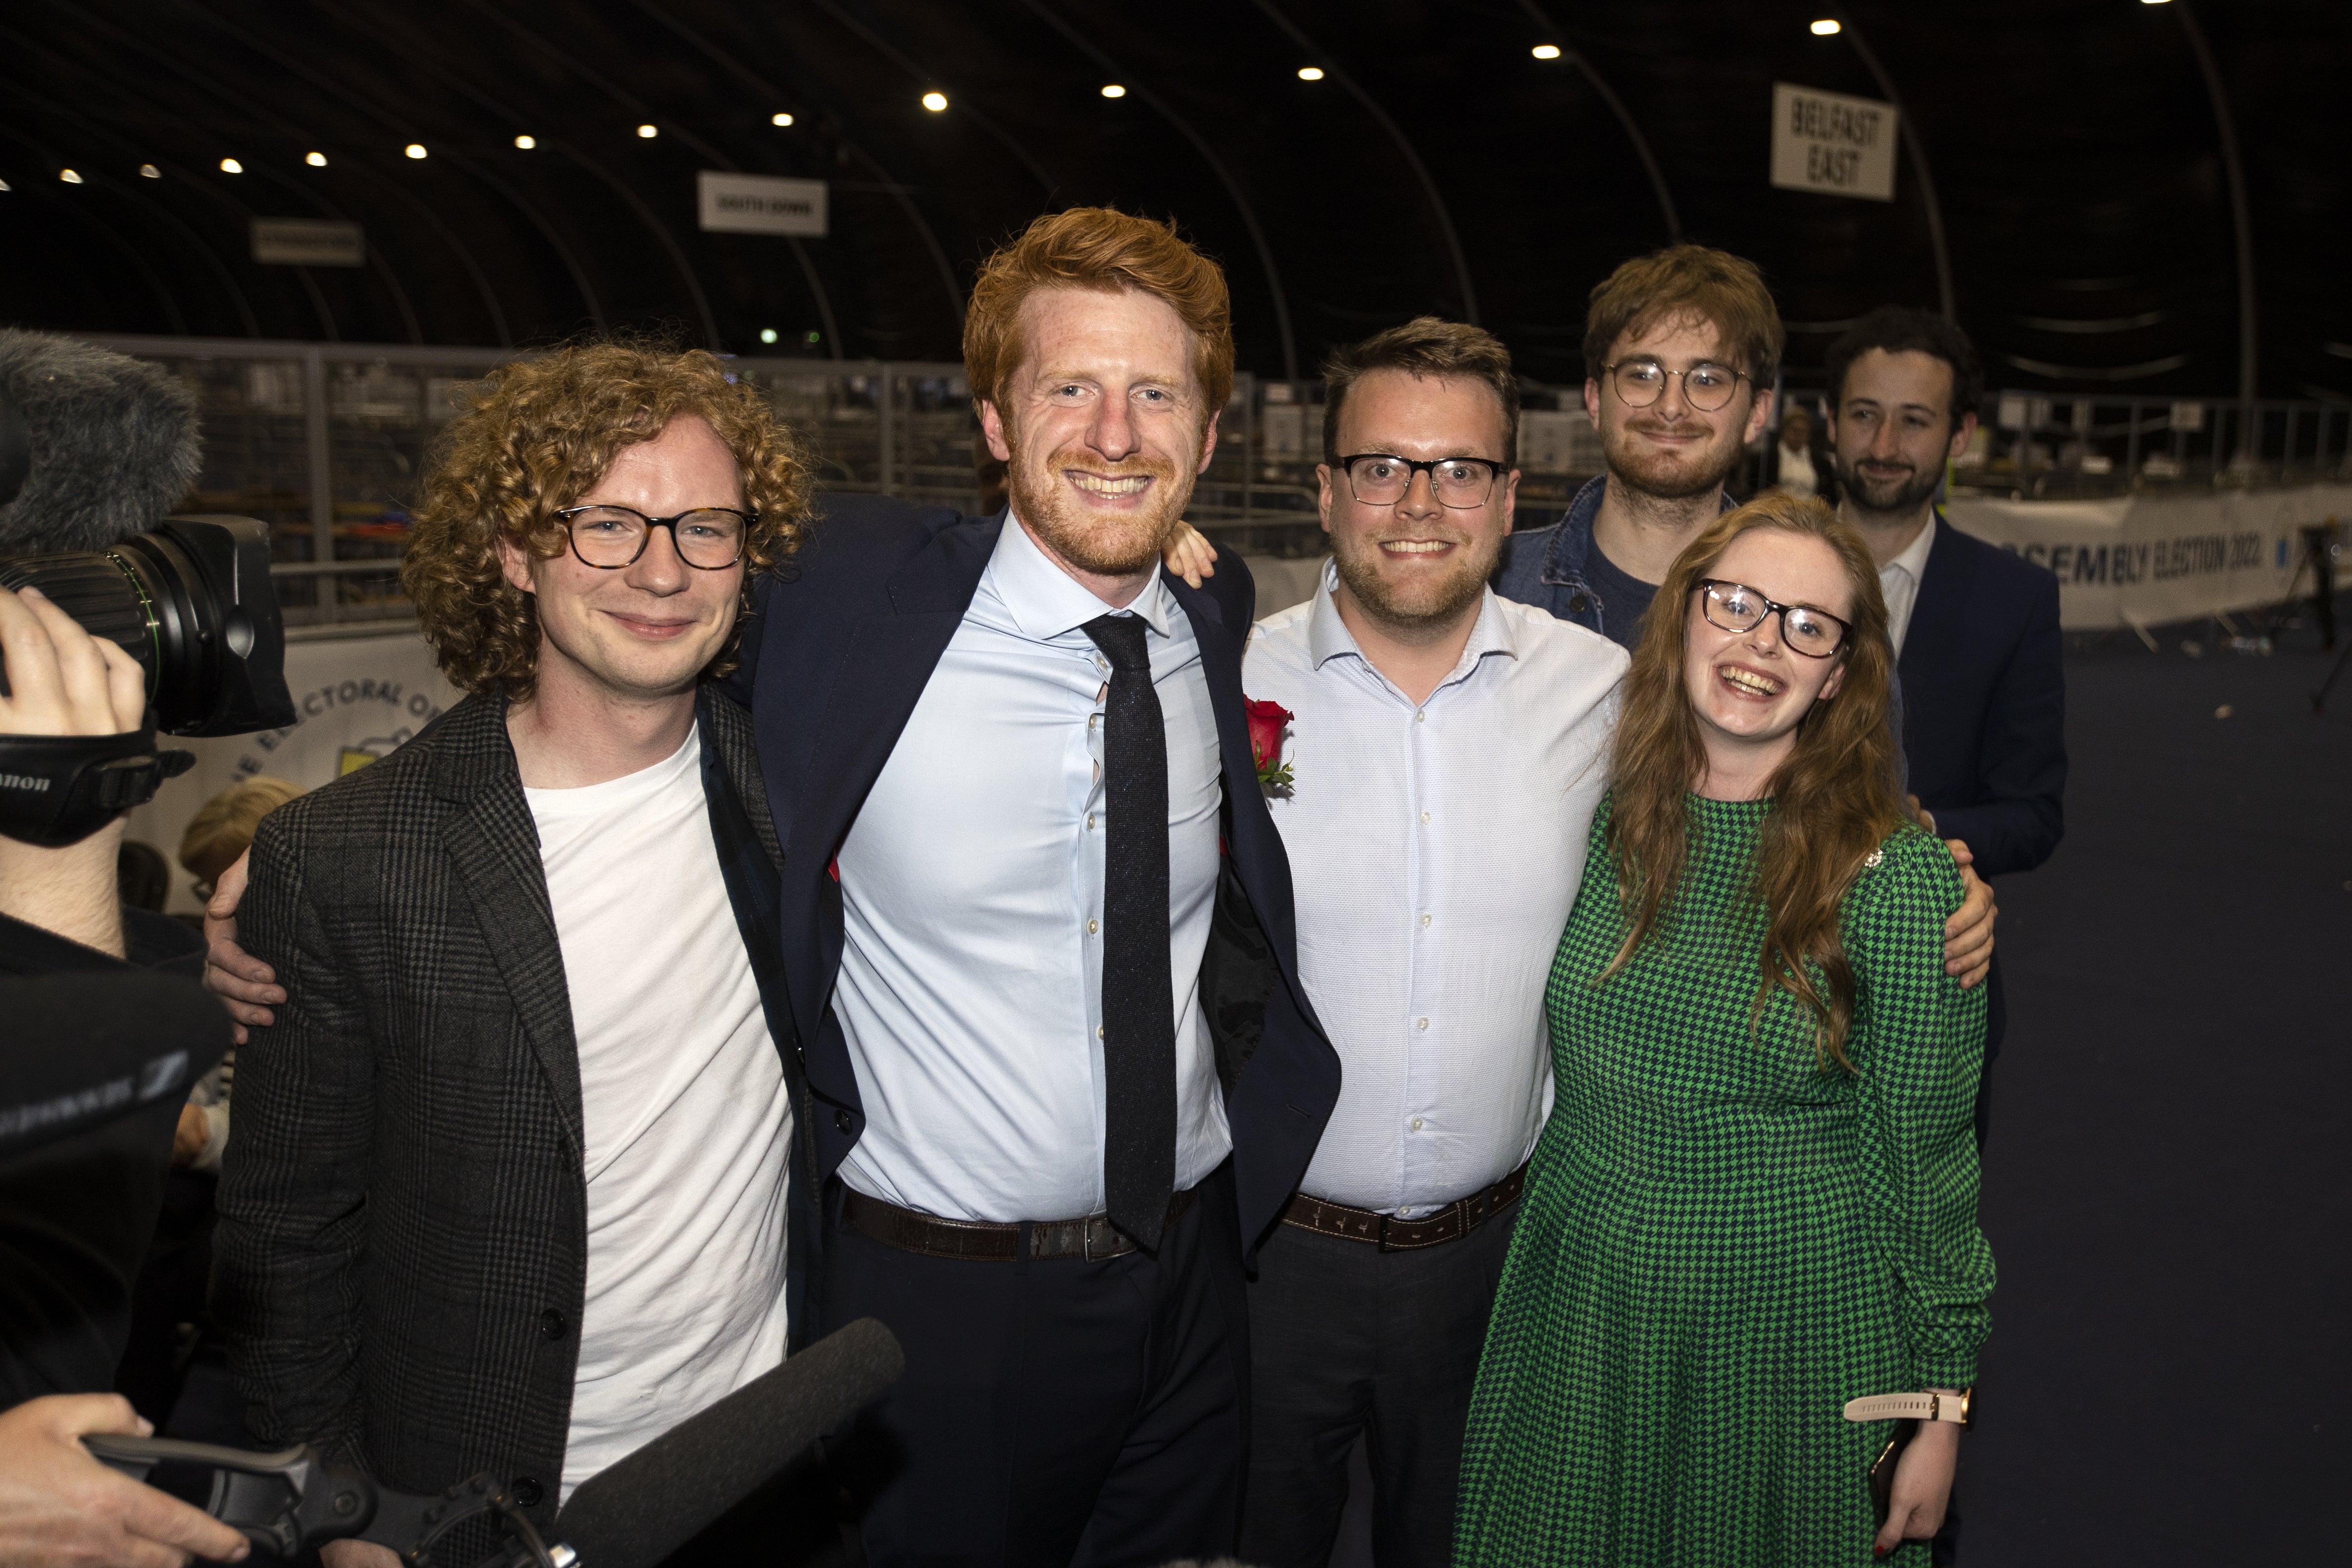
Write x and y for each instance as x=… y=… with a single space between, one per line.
x=1706 y=385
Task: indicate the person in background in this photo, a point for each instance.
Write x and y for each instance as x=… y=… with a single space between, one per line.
x=1974 y=628
x=1796 y=469
x=1681 y=349
x=216 y=835
x=1755 y=1198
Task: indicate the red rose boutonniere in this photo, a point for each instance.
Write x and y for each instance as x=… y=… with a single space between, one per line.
x=1267 y=722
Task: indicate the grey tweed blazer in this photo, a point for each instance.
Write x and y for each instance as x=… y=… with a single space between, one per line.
x=402 y=1254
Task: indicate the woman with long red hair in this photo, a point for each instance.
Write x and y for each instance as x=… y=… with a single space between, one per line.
x=1755 y=1201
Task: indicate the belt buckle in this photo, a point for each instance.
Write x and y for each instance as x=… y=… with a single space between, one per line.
x=1086 y=1240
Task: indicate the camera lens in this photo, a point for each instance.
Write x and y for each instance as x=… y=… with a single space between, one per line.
x=191 y=601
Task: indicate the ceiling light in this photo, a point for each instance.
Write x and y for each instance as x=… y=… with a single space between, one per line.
x=149 y=171
x=316 y=160
x=2155 y=2
x=5 y=186
x=647 y=132
x=1827 y=27
x=526 y=142
x=935 y=102
x=68 y=177
x=1310 y=73
x=779 y=119
x=1113 y=91
x=231 y=166
x=415 y=149
x=1547 y=51
x=767 y=335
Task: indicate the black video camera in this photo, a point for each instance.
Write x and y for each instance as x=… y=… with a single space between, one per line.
x=190 y=600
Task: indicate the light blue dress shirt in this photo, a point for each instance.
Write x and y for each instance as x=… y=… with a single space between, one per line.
x=971 y=985
x=1436 y=850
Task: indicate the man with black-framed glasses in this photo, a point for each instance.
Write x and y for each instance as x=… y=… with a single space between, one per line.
x=1681 y=349
x=517 y=1143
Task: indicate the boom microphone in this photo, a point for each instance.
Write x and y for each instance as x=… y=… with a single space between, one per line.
x=639 y=1511
x=100 y=445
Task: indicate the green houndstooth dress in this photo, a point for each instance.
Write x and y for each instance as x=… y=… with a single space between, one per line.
x=1720 y=1244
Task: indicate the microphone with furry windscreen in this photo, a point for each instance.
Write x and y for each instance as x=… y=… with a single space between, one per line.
x=94 y=445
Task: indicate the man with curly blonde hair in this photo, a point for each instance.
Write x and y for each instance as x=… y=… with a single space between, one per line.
x=513 y=1172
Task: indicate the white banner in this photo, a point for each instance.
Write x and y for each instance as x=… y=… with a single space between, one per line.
x=2147 y=560
x=354 y=701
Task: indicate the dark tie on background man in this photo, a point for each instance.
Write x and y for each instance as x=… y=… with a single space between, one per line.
x=1138 y=1001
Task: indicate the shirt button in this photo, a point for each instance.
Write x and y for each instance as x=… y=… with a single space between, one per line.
x=1098 y=1033
x=1416 y=1124
x=1090 y=819
x=1424 y=817
x=1093 y=926
x=1424 y=920
x=1421 y=1023
x=1101 y=663
x=1093 y=719
x=1420 y=717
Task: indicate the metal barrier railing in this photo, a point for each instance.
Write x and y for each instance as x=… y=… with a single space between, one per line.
x=326 y=443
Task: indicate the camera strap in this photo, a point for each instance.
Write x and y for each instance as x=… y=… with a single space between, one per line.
x=56 y=789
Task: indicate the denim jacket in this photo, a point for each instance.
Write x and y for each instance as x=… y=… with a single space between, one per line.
x=1545 y=566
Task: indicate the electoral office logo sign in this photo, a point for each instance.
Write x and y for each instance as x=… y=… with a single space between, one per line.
x=369 y=716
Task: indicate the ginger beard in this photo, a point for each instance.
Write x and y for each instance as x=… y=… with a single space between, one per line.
x=1112 y=540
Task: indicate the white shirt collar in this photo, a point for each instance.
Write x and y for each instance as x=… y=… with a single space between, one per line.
x=1046 y=601
x=1913 y=561
x=1328 y=635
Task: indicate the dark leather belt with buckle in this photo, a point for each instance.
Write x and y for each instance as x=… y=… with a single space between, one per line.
x=1390 y=1234
x=1093 y=1238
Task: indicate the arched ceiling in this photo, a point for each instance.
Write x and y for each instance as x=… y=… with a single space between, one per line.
x=1436 y=165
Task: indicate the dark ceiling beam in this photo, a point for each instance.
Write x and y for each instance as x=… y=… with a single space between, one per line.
x=38 y=192
x=247 y=105
x=1166 y=110
x=1575 y=56
x=475 y=167
x=688 y=134
x=914 y=214
x=1319 y=55
x=1915 y=146
x=2241 y=215
x=958 y=102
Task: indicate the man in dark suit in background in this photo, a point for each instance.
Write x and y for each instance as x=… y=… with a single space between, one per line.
x=1037 y=927
x=512 y=1162
x=1975 y=627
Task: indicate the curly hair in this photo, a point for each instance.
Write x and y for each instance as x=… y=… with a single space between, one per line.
x=1834 y=799
x=541 y=432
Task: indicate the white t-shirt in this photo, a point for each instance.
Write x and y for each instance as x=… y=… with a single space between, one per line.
x=682 y=1096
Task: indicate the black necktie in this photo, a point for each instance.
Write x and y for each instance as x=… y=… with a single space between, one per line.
x=1138 y=1003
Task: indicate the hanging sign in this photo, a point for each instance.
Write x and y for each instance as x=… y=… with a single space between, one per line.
x=308 y=242
x=1828 y=142
x=760 y=204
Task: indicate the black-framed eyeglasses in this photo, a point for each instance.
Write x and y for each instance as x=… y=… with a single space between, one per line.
x=1381 y=479
x=1736 y=607
x=609 y=537
x=1707 y=387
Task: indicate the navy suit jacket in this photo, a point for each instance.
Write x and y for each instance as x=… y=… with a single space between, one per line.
x=1984 y=697
x=836 y=655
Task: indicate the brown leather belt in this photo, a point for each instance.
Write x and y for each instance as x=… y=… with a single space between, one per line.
x=1390 y=1234
x=1093 y=1238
